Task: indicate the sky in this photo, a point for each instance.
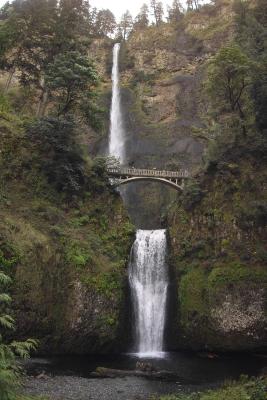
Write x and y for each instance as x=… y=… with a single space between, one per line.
x=118 y=7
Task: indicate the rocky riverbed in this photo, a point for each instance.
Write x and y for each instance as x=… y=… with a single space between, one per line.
x=79 y=388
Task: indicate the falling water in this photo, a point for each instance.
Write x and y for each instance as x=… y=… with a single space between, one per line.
x=116 y=137
x=148 y=279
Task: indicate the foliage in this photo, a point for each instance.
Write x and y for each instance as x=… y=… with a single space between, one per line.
x=61 y=159
x=192 y=194
x=228 y=78
x=175 y=13
x=254 y=214
x=199 y=287
x=104 y=22
x=252 y=37
x=39 y=34
x=157 y=11
x=68 y=78
x=142 y=18
x=244 y=389
x=237 y=91
x=10 y=371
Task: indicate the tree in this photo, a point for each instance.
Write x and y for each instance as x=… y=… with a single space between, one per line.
x=31 y=31
x=24 y=37
x=105 y=23
x=229 y=78
x=73 y=24
x=60 y=157
x=251 y=36
x=157 y=11
x=5 y=11
x=35 y=32
x=68 y=78
x=175 y=12
x=192 y=4
x=142 y=20
x=126 y=24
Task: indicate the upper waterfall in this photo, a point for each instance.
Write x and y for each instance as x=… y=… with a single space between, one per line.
x=116 y=137
x=148 y=277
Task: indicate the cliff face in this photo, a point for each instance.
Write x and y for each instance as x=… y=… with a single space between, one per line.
x=162 y=101
x=68 y=258
x=219 y=255
x=217 y=231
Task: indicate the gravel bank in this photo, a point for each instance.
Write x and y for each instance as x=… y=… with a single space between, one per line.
x=77 y=388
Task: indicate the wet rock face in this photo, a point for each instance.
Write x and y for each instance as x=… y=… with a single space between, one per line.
x=232 y=319
x=92 y=321
x=242 y=312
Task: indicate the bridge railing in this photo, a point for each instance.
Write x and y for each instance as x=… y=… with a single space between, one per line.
x=124 y=171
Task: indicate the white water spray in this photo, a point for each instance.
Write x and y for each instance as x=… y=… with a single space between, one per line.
x=148 y=279
x=116 y=137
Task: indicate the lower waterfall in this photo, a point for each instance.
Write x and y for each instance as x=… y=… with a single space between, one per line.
x=148 y=278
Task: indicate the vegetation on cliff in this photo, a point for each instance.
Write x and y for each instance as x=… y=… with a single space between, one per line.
x=242 y=390
x=64 y=232
x=192 y=82
x=218 y=226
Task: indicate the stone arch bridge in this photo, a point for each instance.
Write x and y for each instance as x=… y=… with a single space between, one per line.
x=121 y=175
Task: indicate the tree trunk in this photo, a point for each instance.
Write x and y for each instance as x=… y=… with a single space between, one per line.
x=9 y=80
x=40 y=112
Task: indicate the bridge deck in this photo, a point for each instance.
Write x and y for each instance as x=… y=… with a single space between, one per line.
x=135 y=172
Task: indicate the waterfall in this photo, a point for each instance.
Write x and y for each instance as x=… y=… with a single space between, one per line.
x=148 y=277
x=116 y=138
x=148 y=274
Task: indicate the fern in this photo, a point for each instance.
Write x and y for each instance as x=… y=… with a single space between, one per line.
x=5 y=298
x=6 y=321
x=23 y=349
x=10 y=371
x=4 y=279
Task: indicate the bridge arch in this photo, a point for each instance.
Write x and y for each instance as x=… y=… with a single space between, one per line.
x=174 y=185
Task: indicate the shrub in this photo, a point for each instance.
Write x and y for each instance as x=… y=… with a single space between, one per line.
x=253 y=214
x=60 y=156
x=192 y=194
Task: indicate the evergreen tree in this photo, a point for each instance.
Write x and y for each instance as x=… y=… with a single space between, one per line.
x=157 y=11
x=175 y=12
x=142 y=19
x=126 y=24
x=105 y=23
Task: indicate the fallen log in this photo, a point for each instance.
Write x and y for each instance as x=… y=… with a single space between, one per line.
x=102 y=372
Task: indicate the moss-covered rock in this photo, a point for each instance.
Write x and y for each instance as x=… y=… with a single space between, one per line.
x=223 y=308
x=218 y=252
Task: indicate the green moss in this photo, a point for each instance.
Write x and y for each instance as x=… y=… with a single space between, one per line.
x=201 y=289
x=108 y=284
x=192 y=294
x=235 y=273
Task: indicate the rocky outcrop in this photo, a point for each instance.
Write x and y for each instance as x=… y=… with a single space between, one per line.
x=218 y=246
x=223 y=308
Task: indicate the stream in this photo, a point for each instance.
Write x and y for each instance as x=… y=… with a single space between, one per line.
x=68 y=377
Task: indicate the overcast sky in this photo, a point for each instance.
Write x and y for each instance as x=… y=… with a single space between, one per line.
x=118 y=7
